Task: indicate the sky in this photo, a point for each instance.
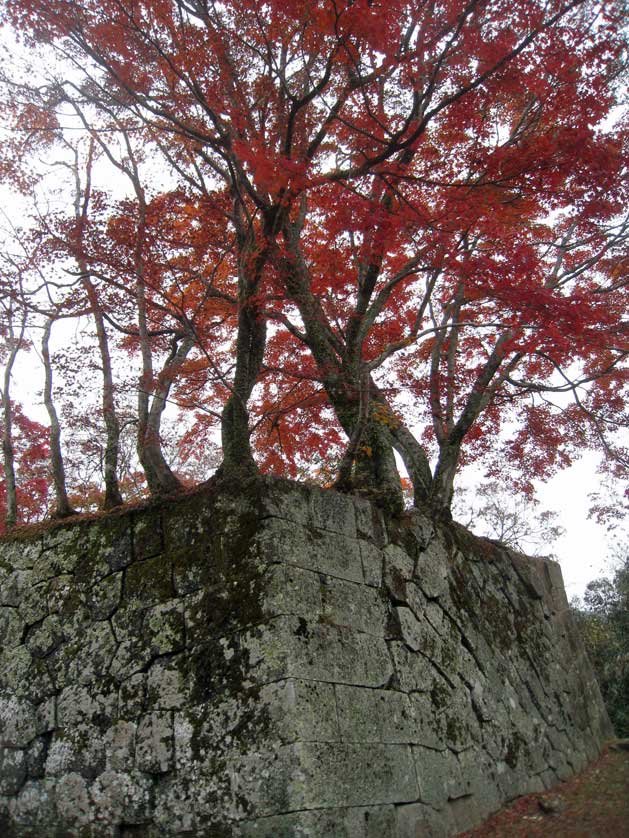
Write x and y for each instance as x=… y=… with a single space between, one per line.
x=584 y=549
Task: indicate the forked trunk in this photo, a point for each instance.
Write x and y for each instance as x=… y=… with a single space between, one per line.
x=8 y=453
x=159 y=475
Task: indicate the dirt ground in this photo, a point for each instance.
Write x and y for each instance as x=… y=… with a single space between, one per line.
x=594 y=804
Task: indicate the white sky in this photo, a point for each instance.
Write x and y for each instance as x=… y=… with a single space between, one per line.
x=584 y=550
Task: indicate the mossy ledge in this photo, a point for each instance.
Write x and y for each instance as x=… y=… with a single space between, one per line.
x=264 y=658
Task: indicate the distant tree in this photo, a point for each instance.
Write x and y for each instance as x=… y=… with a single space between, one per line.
x=513 y=520
x=603 y=616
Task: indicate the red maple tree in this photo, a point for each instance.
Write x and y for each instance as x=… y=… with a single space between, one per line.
x=409 y=219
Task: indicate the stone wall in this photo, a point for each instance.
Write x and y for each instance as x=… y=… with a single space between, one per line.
x=279 y=661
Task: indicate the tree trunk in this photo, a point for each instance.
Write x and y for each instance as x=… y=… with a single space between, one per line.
x=250 y=345
x=415 y=461
x=63 y=508
x=369 y=467
x=442 y=489
x=113 y=497
x=159 y=475
x=7 y=445
x=375 y=473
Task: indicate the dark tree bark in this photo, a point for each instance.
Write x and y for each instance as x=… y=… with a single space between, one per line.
x=253 y=253
x=113 y=496
x=62 y=506
x=7 y=427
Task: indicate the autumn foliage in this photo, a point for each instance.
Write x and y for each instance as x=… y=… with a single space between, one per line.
x=330 y=232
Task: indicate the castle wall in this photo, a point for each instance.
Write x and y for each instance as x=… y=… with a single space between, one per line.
x=277 y=660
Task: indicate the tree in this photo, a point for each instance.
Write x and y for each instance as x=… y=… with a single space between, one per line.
x=509 y=519
x=603 y=616
x=425 y=202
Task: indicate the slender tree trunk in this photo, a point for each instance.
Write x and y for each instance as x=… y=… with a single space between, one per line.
x=482 y=392
x=7 y=442
x=63 y=508
x=159 y=475
x=253 y=254
x=250 y=345
x=442 y=489
x=113 y=496
x=415 y=460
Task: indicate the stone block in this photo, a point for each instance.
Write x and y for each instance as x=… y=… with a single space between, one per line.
x=62 y=593
x=154 y=743
x=12 y=627
x=122 y=797
x=334 y=512
x=12 y=770
x=44 y=637
x=419 y=635
x=132 y=657
x=415 y=820
x=166 y=687
x=427 y=730
x=34 y=603
x=149 y=582
x=79 y=704
x=317 y=550
x=86 y=660
x=431 y=570
x=398 y=722
x=120 y=746
x=398 y=570
x=556 y=586
x=46 y=715
x=148 y=534
x=20 y=554
x=72 y=799
x=291 y=647
x=14 y=666
x=292 y=590
x=163 y=628
x=334 y=775
x=465 y=813
x=414 y=672
x=34 y=806
x=35 y=755
x=132 y=696
x=358 y=716
x=104 y=598
x=440 y=777
x=371 y=524
x=57 y=562
x=372 y=561
x=18 y=721
x=79 y=749
x=355 y=822
x=368 y=715
x=112 y=543
x=350 y=605
x=279 y=500
x=304 y=711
